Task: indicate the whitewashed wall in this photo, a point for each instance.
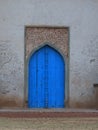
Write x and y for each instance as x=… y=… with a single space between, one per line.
x=81 y=16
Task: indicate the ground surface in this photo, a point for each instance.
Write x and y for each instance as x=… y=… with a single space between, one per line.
x=59 y=119
x=48 y=123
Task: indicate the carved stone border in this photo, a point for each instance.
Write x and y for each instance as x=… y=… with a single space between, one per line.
x=38 y=36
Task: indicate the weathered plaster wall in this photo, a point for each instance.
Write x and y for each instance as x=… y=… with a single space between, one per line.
x=82 y=18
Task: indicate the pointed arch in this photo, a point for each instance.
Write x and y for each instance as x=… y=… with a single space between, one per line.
x=51 y=46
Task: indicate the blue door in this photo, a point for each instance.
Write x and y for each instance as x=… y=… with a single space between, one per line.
x=46 y=79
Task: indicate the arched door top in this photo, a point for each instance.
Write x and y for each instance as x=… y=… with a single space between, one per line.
x=48 y=44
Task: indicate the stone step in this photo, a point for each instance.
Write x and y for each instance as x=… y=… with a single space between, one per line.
x=53 y=113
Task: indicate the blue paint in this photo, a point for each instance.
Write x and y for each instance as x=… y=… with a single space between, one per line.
x=46 y=79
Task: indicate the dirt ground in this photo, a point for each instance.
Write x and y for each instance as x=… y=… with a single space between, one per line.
x=74 y=123
x=48 y=120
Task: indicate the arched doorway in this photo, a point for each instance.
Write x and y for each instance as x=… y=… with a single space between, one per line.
x=46 y=79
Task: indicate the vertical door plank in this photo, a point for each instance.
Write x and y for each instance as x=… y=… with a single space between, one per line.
x=41 y=85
